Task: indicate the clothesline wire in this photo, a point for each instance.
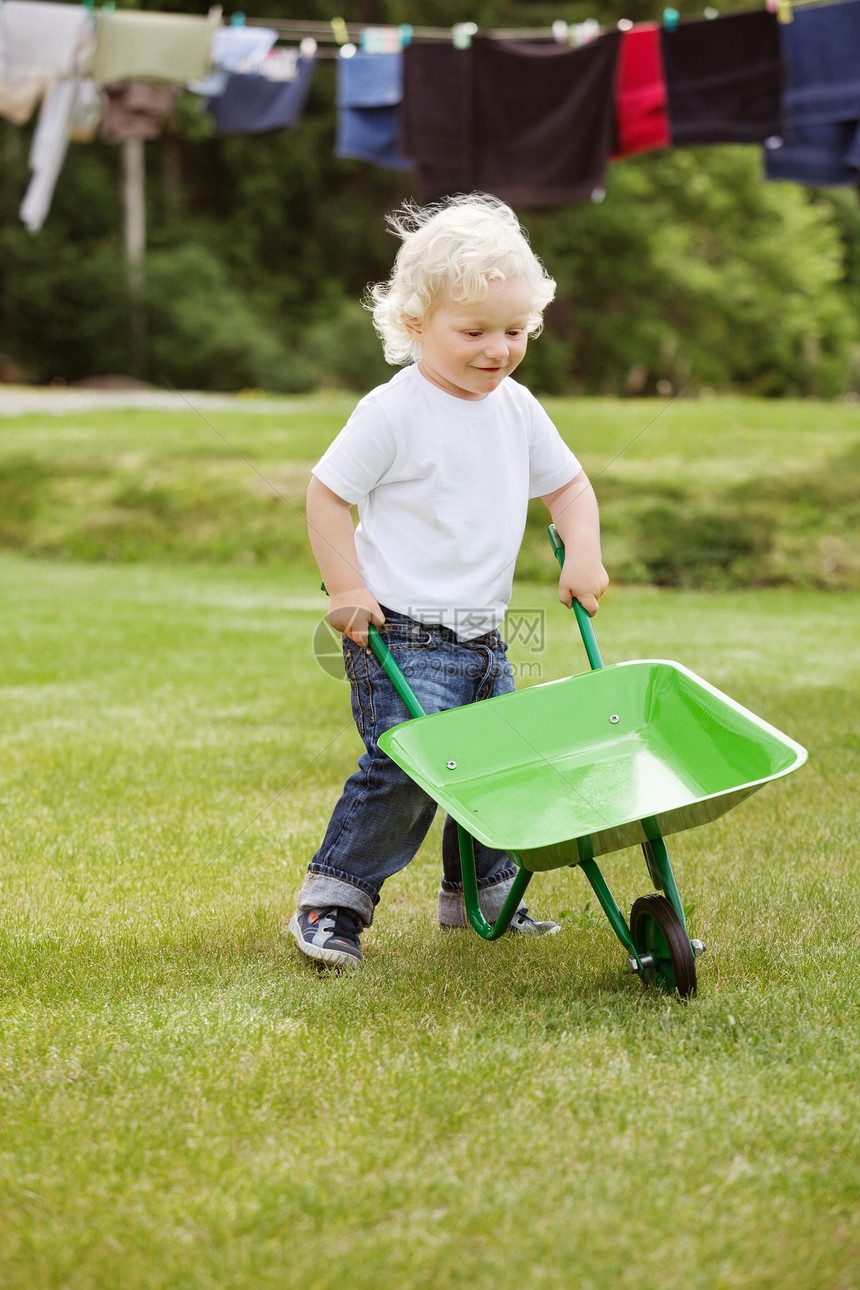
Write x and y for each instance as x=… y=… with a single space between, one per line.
x=323 y=32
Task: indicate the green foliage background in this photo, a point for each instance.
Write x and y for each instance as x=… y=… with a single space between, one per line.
x=260 y=247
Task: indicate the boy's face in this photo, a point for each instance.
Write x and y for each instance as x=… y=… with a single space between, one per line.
x=469 y=349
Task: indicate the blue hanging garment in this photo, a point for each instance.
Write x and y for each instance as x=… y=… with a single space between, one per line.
x=821 y=140
x=369 y=90
x=258 y=104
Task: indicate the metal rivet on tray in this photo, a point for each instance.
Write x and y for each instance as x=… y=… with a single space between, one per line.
x=614 y=719
x=452 y=765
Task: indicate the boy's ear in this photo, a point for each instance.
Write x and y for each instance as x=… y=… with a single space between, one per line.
x=415 y=326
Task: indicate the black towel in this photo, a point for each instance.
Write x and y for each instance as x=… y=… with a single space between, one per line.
x=531 y=121
x=724 y=79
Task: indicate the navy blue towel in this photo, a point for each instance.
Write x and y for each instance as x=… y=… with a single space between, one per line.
x=258 y=104
x=822 y=97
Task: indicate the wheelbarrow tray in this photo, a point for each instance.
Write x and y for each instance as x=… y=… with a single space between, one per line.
x=575 y=768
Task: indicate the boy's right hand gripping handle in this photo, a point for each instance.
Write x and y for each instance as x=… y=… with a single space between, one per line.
x=586 y=630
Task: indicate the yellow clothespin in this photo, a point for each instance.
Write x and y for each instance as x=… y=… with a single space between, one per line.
x=783 y=11
x=339 y=31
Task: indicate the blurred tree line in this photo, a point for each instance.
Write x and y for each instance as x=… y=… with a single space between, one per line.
x=260 y=248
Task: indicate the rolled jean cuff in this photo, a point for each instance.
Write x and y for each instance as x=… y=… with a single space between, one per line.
x=324 y=889
x=503 y=879
x=451 y=905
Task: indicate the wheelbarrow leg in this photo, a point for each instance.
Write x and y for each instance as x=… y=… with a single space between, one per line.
x=489 y=931
x=609 y=905
x=660 y=869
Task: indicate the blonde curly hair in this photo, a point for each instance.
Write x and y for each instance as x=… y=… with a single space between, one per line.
x=459 y=247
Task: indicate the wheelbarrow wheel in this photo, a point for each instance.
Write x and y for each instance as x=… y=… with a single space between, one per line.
x=663 y=946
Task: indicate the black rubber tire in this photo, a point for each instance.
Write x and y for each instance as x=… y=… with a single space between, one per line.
x=657 y=930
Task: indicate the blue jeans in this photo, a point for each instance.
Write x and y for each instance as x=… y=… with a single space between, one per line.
x=383 y=816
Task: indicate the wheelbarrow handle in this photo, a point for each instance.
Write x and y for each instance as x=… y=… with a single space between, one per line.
x=393 y=672
x=586 y=630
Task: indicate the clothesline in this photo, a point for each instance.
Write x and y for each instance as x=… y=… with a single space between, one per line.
x=531 y=114
x=333 y=33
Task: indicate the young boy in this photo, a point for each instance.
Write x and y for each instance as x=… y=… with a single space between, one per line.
x=440 y=462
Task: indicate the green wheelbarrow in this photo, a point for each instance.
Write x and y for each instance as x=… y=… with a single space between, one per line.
x=562 y=772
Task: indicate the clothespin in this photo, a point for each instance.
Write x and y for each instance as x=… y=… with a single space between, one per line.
x=339 y=31
x=670 y=19
x=625 y=24
x=784 y=11
x=237 y=20
x=307 y=47
x=561 y=32
x=583 y=32
x=380 y=40
x=462 y=33
x=349 y=50
x=405 y=33
x=711 y=12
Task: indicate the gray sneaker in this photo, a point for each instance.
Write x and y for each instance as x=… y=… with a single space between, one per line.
x=328 y=935
x=451 y=913
x=523 y=922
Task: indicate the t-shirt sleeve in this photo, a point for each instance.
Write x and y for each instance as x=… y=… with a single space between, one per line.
x=551 y=462
x=360 y=455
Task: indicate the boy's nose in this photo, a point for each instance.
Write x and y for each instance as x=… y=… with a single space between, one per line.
x=496 y=347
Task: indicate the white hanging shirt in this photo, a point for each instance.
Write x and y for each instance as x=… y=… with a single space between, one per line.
x=442 y=486
x=43 y=39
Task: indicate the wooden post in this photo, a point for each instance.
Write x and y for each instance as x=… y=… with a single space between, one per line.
x=134 y=245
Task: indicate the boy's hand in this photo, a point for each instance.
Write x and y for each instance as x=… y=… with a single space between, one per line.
x=350 y=612
x=584 y=580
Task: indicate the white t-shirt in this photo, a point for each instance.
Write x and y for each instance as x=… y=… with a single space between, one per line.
x=442 y=487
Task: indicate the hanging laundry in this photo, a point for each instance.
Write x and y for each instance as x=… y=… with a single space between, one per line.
x=821 y=140
x=234 y=49
x=531 y=121
x=48 y=150
x=642 y=121
x=137 y=110
x=369 y=91
x=86 y=112
x=724 y=79
x=131 y=45
x=19 y=102
x=258 y=104
x=437 y=117
x=382 y=40
x=43 y=39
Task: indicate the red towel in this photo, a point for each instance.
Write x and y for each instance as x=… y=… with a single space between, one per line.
x=642 y=119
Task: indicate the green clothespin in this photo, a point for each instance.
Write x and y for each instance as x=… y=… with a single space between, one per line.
x=670 y=19
x=462 y=33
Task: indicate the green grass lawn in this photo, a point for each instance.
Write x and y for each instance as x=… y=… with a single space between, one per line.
x=731 y=493
x=186 y=1102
